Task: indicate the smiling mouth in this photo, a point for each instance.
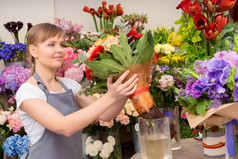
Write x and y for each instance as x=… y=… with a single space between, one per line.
x=58 y=58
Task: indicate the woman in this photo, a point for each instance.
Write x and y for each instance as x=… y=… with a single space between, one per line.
x=51 y=111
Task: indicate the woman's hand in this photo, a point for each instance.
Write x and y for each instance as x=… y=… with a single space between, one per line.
x=120 y=90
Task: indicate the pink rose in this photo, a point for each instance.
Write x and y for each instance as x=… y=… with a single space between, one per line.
x=166 y=80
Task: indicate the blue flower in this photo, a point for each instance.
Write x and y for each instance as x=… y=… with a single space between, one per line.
x=164 y=68
x=16 y=145
x=5 y=54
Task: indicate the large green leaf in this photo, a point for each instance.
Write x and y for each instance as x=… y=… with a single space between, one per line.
x=144 y=49
x=111 y=66
x=126 y=48
x=118 y=53
x=97 y=70
x=202 y=107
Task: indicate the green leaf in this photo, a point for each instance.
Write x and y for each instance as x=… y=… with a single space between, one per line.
x=201 y=107
x=191 y=100
x=97 y=71
x=196 y=37
x=82 y=58
x=231 y=79
x=126 y=48
x=119 y=54
x=74 y=61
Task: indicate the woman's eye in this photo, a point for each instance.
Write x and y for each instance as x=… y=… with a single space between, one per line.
x=51 y=45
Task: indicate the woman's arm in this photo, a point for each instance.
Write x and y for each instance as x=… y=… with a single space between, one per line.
x=53 y=120
x=115 y=109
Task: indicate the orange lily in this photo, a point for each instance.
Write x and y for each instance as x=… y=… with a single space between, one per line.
x=225 y=5
x=221 y=21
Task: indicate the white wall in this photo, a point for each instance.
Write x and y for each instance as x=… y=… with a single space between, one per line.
x=160 y=12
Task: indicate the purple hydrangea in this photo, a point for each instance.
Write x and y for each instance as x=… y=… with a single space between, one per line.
x=12 y=77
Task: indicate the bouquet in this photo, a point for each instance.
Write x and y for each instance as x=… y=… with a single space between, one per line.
x=112 y=57
x=16 y=145
x=210 y=87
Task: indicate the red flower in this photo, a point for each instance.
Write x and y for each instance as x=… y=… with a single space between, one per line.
x=104 y=5
x=92 y=11
x=100 y=10
x=156 y=57
x=211 y=32
x=225 y=5
x=210 y=6
x=194 y=8
x=119 y=10
x=133 y=34
x=184 y=5
x=86 y=9
x=110 y=10
x=216 y=2
x=200 y=21
x=221 y=21
x=96 y=51
x=88 y=71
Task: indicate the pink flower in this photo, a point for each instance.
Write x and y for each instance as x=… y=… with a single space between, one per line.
x=14 y=121
x=183 y=115
x=166 y=80
x=3 y=119
x=12 y=100
x=135 y=114
x=107 y=124
x=75 y=73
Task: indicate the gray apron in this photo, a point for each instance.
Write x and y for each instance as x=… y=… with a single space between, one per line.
x=52 y=145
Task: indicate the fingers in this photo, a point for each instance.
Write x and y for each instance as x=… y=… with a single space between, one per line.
x=122 y=77
x=132 y=91
x=131 y=86
x=127 y=83
x=109 y=80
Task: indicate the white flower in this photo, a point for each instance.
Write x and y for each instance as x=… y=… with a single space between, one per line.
x=157 y=48
x=98 y=144
x=88 y=140
x=108 y=146
x=104 y=153
x=91 y=150
x=111 y=140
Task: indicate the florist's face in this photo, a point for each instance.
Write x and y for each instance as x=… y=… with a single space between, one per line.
x=50 y=53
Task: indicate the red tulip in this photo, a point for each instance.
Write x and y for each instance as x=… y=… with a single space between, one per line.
x=200 y=21
x=211 y=32
x=184 y=5
x=100 y=10
x=92 y=11
x=96 y=51
x=119 y=10
x=194 y=8
x=225 y=5
x=221 y=21
x=86 y=9
x=216 y=2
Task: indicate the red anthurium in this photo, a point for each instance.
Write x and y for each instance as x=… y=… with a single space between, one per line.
x=225 y=5
x=194 y=8
x=96 y=51
x=200 y=21
x=211 y=32
x=221 y=21
x=184 y=5
x=86 y=9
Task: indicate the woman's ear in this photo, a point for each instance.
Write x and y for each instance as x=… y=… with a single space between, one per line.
x=32 y=50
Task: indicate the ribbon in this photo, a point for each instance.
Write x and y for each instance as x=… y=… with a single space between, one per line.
x=230 y=138
x=139 y=91
x=215 y=146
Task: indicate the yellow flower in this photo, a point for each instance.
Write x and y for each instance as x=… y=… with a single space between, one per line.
x=102 y=40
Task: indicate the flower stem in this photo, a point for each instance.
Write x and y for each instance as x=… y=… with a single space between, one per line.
x=95 y=22
x=101 y=24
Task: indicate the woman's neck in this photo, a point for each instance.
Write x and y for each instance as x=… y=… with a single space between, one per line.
x=47 y=75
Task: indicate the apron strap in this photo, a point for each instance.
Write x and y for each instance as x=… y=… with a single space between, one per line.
x=43 y=86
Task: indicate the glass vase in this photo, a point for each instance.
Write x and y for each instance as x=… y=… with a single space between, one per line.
x=173 y=115
x=114 y=132
x=155 y=138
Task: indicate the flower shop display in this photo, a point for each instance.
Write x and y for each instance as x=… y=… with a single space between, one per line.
x=16 y=145
x=200 y=25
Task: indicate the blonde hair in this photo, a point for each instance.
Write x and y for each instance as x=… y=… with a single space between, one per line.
x=38 y=34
